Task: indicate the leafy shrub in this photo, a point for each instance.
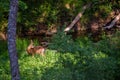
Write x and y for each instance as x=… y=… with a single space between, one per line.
x=63 y=42
x=115 y=51
x=100 y=67
x=90 y=65
x=57 y=74
x=4 y=61
x=95 y=61
x=92 y=61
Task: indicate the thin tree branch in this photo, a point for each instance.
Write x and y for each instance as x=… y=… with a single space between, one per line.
x=77 y=17
x=113 y=22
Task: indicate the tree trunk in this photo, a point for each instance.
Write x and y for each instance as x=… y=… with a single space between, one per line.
x=12 y=40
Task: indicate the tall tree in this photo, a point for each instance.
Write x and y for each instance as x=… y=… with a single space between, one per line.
x=12 y=40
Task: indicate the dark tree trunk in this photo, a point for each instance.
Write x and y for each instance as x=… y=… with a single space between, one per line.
x=12 y=40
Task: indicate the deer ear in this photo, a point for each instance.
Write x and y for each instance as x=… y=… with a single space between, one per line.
x=31 y=41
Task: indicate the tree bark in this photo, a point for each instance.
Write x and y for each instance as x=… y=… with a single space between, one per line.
x=12 y=40
x=77 y=17
x=113 y=22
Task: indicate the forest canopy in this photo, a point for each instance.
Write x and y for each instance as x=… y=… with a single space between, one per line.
x=54 y=13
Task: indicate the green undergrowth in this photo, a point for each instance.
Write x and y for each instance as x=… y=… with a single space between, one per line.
x=91 y=61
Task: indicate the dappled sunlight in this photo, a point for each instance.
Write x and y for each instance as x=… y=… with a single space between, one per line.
x=87 y=63
x=60 y=39
x=100 y=55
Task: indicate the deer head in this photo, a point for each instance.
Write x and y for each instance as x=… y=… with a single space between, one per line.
x=35 y=49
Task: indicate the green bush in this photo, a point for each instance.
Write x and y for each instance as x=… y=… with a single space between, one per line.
x=57 y=74
x=100 y=67
x=63 y=42
x=92 y=61
x=90 y=65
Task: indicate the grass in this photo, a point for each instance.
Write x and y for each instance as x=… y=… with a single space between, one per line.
x=94 y=61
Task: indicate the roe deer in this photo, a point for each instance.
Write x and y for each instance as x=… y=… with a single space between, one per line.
x=31 y=49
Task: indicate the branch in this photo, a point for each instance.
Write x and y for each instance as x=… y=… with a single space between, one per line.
x=77 y=17
x=113 y=22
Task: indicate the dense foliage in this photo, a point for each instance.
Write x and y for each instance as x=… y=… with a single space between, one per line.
x=65 y=58
x=63 y=42
x=93 y=61
x=54 y=12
